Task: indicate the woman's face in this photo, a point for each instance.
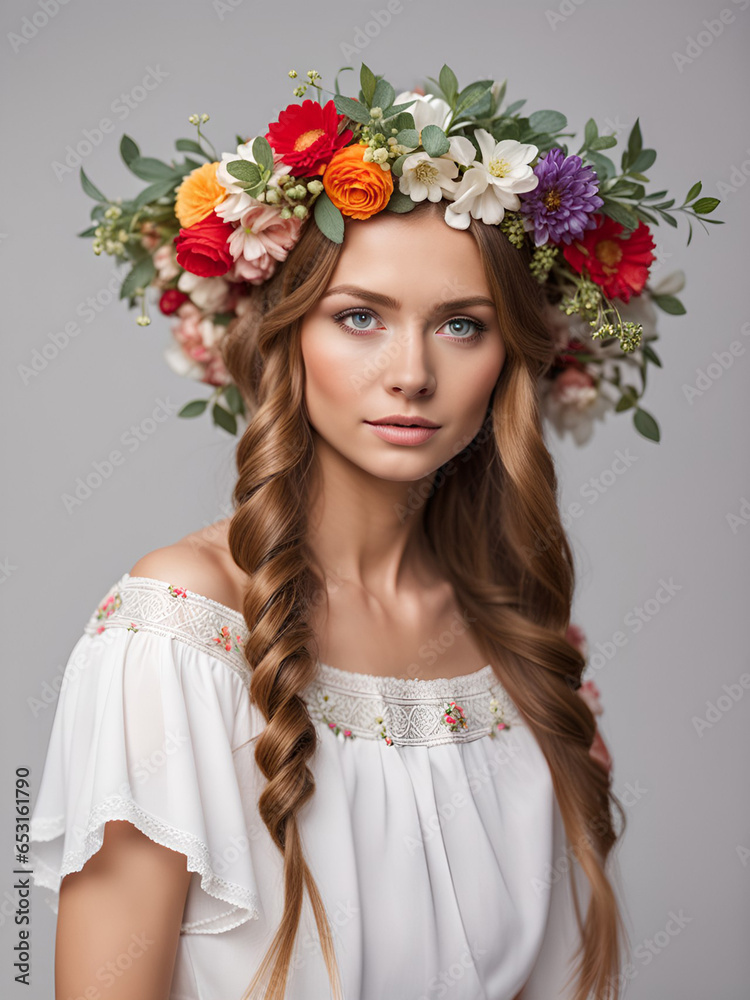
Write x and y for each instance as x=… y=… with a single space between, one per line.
x=405 y=328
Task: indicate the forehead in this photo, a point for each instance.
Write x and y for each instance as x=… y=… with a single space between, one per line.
x=410 y=258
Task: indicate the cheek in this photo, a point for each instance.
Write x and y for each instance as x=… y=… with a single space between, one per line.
x=330 y=370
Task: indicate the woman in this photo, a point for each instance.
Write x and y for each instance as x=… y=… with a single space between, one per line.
x=386 y=588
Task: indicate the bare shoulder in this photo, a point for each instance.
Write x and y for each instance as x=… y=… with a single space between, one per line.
x=199 y=562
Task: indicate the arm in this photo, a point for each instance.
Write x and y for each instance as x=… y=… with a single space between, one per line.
x=119 y=919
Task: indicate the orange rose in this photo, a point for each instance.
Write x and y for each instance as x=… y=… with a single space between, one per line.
x=198 y=195
x=356 y=187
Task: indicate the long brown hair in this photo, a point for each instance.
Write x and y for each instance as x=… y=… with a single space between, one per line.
x=483 y=526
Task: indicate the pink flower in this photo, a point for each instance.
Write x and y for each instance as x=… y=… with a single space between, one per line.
x=573 y=387
x=255 y=271
x=196 y=351
x=592 y=696
x=165 y=263
x=262 y=233
x=576 y=637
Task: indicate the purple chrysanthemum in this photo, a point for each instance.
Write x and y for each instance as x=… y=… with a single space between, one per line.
x=561 y=206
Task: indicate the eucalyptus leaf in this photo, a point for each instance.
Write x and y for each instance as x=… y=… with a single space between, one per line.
x=470 y=97
x=408 y=137
x=154 y=191
x=233 y=399
x=191 y=146
x=669 y=304
x=399 y=202
x=396 y=109
x=139 y=277
x=262 y=152
x=224 y=419
x=398 y=164
x=91 y=189
x=351 y=108
x=129 y=150
x=328 y=218
x=590 y=132
x=194 y=408
x=150 y=169
x=603 y=142
x=403 y=120
x=547 y=121
x=448 y=84
x=646 y=425
x=244 y=170
x=643 y=161
x=434 y=140
x=384 y=95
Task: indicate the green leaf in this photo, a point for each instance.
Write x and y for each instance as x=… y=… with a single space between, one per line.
x=646 y=425
x=233 y=399
x=91 y=189
x=150 y=169
x=139 y=277
x=650 y=353
x=129 y=150
x=193 y=409
x=705 y=205
x=434 y=140
x=669 y=304
x=448 y=84
x=384 y=95
x=471 y=98
x=328 y=218
x=403 y=120
x=367 y=82
x=603 y=142
x=245 y=171
x=399 y=202
x=154 y=191
x=694 y=191
x=397 y=166
x=620 y=213
x=512 y=108
x=224 y=419
x=635 y=141
x=669 y=219
x=351 y=108
x=643 y=161
x=590 y=132
x=397 y=109
x=547 y=121
x=603 y=166
x=408 y=137
x=88 y=232
x=262 y=152
x=628 y=398
x=191 y=146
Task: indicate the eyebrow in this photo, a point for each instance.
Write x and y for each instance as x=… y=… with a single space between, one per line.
x=391 y=303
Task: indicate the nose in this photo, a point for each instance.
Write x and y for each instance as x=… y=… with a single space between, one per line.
x=410 y=370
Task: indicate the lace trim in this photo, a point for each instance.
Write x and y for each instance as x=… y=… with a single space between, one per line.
x=404 y=711
x=196 y=852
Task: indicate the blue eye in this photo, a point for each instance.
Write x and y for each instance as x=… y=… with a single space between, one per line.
x=461 y=327
x=356 y=317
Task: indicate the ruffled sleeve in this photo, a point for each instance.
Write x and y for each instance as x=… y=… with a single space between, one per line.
x=147 y=729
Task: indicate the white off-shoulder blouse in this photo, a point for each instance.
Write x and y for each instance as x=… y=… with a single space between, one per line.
x=434 y=834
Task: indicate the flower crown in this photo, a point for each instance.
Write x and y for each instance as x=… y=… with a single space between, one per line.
x=204 y=233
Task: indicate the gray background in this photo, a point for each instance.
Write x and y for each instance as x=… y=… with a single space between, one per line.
x=688 y=843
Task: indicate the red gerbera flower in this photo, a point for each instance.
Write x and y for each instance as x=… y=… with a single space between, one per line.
x=617 y=262
x=306 y=135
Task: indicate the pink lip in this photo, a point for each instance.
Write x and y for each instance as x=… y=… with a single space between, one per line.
x=403 y=435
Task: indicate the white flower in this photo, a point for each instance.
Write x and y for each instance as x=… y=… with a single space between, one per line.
x=209 y=294
x=238 y=201
x=427 y=110
x=492 y=185
x=165 y=263
x=434 y=177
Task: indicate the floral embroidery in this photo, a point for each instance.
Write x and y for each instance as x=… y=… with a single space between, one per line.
x=132 y=628
x=177 y=591
x=497 y=710
x=380 y=721
x=225 y=639
x=453 y=717
x=108 y=608
x=335 y=728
